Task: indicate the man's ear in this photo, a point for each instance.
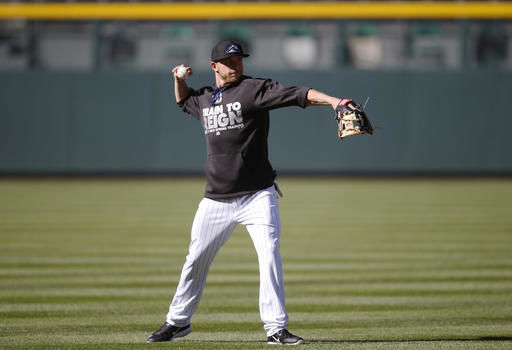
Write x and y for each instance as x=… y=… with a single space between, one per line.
x=213 y=65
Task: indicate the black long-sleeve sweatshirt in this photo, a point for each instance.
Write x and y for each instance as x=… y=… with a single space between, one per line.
x=236 y=125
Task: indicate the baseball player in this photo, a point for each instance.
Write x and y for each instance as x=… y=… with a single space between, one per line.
x=240 y=188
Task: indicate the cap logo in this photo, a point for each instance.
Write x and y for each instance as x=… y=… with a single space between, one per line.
x=233 y=48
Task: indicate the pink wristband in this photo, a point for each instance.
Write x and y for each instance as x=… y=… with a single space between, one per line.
x=344 y=101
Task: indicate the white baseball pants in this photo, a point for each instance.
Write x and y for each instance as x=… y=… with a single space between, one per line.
x=213 y=224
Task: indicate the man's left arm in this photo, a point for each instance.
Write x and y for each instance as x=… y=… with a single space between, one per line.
x=317 y=98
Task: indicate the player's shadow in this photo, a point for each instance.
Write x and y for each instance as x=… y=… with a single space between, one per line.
x=361 y=341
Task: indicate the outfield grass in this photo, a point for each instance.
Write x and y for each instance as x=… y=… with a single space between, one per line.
x=369 y=264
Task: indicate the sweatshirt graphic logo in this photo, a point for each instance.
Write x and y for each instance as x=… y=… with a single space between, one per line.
x=222 y=117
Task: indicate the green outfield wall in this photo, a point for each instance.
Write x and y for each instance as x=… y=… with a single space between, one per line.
x=127 y=122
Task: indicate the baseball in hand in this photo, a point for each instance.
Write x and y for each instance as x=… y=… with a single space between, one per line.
x=182 y=73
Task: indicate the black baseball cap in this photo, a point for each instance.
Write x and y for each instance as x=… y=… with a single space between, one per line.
x=227 y=48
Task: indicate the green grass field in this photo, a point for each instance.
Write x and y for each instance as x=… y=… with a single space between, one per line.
x=368 y=264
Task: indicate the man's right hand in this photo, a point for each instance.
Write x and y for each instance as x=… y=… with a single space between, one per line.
x=181 y=72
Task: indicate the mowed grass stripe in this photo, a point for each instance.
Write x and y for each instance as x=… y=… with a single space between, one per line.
x=144 y=281
x=368 y=264
x=134 y=317
x=364 y=288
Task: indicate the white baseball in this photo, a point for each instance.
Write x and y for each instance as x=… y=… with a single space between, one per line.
x=182 y=73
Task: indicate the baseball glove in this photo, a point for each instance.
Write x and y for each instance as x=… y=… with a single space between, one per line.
x=352 y=121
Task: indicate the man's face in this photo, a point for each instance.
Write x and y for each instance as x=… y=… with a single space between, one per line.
x=229 y=69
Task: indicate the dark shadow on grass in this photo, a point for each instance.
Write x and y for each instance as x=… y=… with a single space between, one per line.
x=346 y=341
x=358 y=341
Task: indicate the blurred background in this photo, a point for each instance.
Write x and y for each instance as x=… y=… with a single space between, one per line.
x=94 y=95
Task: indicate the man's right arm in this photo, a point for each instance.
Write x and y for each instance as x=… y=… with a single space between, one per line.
x=181 y=89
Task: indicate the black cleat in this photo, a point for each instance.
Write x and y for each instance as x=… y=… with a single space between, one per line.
x=283 y=337
x=168 y=332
